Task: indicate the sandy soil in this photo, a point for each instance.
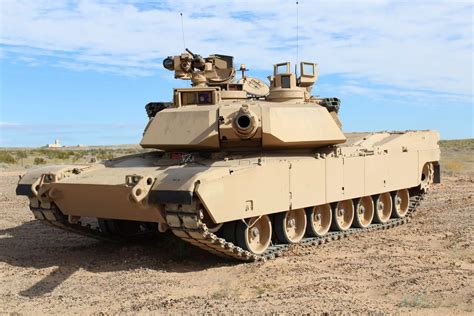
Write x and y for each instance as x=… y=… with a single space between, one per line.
x=425 y=267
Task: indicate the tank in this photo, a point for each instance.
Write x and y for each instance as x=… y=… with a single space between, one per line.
x=242 y=169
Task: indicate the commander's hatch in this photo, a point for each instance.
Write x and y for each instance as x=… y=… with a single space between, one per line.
x=283 y=84
x=282 y=77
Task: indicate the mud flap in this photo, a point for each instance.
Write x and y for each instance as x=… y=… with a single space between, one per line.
x=24 y=189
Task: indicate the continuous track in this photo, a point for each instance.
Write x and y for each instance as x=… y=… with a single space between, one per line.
x=188 y=226
x=54 y=217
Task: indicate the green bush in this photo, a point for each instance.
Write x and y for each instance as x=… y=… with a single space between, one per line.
x=21 y=155
x=65 y=154
x=39 y=161
x=77 y=156
x=6 y=157
x=56 y=153
x=104 y=155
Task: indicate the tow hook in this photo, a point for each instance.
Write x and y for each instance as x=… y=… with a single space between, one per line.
x=45 y=178
x=42 y=194
x=141 y=186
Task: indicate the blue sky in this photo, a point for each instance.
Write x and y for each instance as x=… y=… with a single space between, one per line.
x=82 y=71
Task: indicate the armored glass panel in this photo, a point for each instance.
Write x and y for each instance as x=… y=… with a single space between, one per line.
x=188 y=98
x=205 y=97
x=308 y=69
x=282 y=69
x=285 y=82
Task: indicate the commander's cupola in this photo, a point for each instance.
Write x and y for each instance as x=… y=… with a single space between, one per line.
x=285 y=86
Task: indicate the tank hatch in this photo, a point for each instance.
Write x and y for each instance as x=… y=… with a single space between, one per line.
x=286 y=86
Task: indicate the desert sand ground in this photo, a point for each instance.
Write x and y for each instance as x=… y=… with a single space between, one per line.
x=424 y=267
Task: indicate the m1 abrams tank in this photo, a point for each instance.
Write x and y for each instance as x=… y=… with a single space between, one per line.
x=242 y=169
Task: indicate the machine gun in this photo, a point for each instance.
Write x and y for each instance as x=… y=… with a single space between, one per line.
x=213 y=70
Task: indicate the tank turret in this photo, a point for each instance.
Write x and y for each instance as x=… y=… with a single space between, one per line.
x=218 y=113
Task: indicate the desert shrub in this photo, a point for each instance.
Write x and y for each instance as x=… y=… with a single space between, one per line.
x=55 y=154
x=104 y=155
x=457 y=145
x=77 y=156
x=92 y=152
x=454 y=166
x=39 y=161
x=60 y=154
x=6 y=157
x=65 y=154
x=21 y=154
x=42 y=152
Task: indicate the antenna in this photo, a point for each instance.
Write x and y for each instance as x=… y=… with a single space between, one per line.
x=297 y=40
x=182 y=30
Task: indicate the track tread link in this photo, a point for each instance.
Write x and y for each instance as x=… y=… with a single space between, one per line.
x=55 y=218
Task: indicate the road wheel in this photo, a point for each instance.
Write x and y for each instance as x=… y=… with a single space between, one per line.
x=318 y=220
x=255 y=234
x=290 y=226
x=401 y=203
x=364 y=212
x=383 y=208
x=342 y=215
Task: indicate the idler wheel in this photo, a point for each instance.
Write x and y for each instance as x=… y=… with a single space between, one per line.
x=255 y=234
x=364 y=212
x=427 y=176
x=383 y=208
x=290 y=226
x=318 y=220
x=343 y=215
x=401 y=203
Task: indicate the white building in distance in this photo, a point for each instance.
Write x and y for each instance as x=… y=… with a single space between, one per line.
x=57 y=144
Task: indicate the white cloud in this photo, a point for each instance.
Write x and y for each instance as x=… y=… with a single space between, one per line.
x=9 y=125
x=412 y=46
